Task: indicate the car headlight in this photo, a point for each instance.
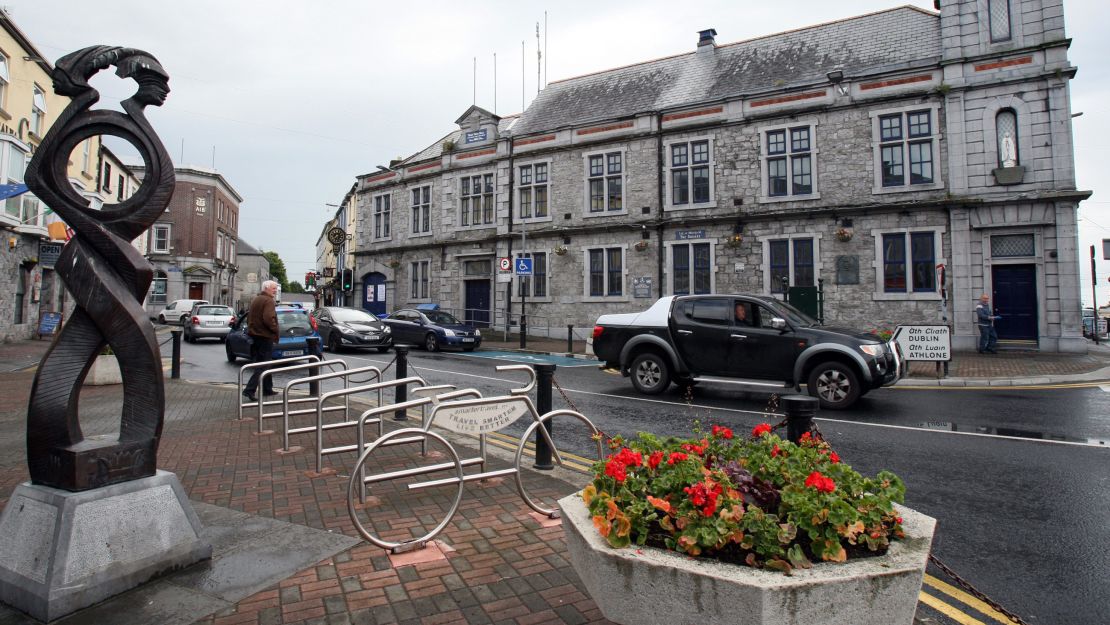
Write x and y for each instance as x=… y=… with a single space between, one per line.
x=872 y=350
x=447 y=332
x=477 y=332
x=345 y=330
x=387 y=329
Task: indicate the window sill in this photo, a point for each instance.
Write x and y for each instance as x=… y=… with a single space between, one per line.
x=907 y=188
x=534 y=300
x=915 y=297
x=481 y=227
x=8 y=220
x=690 y=207
x=6 y=116
x=420 y=235
x=768 y=199
x=605 y=214
x=87 y=176
x=533 y=220
x=600 y=300
x=32 y=230
x=381 y=240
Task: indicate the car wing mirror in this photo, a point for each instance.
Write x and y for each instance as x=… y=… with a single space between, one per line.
x=779 y=324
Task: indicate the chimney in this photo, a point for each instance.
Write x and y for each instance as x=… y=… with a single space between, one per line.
x=705 y=40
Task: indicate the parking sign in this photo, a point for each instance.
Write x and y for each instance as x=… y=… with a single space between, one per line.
x=505 y=263
x=523 y=266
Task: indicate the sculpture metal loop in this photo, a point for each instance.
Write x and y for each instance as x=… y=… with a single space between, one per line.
x=107 y=277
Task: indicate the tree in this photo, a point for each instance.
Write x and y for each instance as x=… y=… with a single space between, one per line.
x=277 y=270
x=295 y=287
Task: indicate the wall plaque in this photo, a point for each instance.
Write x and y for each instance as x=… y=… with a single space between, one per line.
x=480 y=418
x=847 y=269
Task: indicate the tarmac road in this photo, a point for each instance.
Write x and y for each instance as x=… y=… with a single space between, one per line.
x=1018 y=478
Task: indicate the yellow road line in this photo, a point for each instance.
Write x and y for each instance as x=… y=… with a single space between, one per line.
x=962 y=596
x=947 y=610
x=1024 y=387
x=570 y=460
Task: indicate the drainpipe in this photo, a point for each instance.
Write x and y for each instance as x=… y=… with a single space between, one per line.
x=660 y=251
x=509 y=253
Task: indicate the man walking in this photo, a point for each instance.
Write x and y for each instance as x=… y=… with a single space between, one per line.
x=984 y=318
x=262 y=326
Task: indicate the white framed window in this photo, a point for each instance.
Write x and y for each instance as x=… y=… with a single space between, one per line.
x=231 y=251
x=219 y=245
x=605 y=173
x=691 y=267
x=38 y=111
x=795 y=257
x=476 y=201
x=14 y=172
x=31 y=219
x=419 y=279
x=906 y=149
x=107 y=184
x=160 y=239
x=788 y=162
x=905 y=262
x=158 y=288
x=382 y=211
x=605 y=273
x=689 y=173
x=533 y=183
x=536 y=284
x=5 y=79
x=422 y=210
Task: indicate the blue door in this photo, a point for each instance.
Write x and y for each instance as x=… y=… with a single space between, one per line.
x=477 y=303
x=1015 y=299
x=373 y=293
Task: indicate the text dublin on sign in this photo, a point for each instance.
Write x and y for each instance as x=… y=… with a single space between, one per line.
x=924 y=342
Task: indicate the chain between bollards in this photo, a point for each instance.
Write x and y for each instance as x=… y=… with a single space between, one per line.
x=175 y=359
x=545 y=373
x=401 y=393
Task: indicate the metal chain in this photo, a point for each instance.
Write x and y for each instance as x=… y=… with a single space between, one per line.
x=564 y=394
x=389 y=365
x=962 y=583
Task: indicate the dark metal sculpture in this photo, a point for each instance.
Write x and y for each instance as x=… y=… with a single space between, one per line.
x=108 y=278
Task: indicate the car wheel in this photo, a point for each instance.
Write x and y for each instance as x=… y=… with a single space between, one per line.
x=430 y=342
x=183 y=319
x=333 y=343
x=162 y=319
x=835 y=385
x=382 y=350
x=230 y=354
x=190 y=338
x=650 y=374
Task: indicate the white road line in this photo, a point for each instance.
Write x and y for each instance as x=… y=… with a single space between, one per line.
x=776 y=415
x=1105 y=387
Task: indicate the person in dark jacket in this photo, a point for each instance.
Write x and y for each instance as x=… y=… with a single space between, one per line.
x=262 y=326
x=984 y=319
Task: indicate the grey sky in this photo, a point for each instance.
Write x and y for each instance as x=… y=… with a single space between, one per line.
x=296 y=99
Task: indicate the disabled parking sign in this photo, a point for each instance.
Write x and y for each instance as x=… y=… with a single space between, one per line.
x=523 y=266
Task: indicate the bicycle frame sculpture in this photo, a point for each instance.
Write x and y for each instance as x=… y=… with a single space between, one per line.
x=108 y=278
x=480 y=416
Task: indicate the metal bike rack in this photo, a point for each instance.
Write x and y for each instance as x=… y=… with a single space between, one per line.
x=257 y=365
x=462 y=416
x=285 y=401
x=345 y=375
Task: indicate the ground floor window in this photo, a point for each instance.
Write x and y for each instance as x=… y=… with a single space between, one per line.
x=605 y=272
x=790 y=261
x=158 y=288
x=418 y=274
x=536 y=284
x=692 y=269
x=909 y=261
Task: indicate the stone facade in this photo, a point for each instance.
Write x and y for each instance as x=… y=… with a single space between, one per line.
x=874 y=156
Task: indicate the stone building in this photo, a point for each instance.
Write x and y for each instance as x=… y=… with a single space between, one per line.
x=905 y=160
x=194 y=245
x=253 y=270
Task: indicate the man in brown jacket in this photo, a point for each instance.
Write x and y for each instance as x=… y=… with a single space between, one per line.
x=262 y=326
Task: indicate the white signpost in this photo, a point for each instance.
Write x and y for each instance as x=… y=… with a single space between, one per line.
x=929 y=343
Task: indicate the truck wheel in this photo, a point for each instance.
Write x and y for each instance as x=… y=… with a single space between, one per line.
x=835 y=385
x=650 y=374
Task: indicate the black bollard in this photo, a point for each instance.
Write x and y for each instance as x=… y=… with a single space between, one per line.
x=401 y=393
x=314 y=350
x=544 y=374
x=799 y=410
x=175 y=359
x=523 y=330
x=570 y=339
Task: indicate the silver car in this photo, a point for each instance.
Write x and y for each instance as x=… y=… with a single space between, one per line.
x=208 y=321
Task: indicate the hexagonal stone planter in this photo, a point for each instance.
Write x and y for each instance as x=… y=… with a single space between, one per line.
x=647 y=586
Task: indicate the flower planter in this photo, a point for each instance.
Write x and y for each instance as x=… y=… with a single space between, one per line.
x=105 y=370
x=646 y=586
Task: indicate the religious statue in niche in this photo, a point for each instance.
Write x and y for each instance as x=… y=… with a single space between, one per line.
x=108 y=278
x=1007 y=150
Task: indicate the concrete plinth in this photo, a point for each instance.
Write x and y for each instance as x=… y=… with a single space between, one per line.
x=648 y=586
x=61 y=551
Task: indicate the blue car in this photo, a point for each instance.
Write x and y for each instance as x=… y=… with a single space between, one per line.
x=433 y=329
x=295 y=327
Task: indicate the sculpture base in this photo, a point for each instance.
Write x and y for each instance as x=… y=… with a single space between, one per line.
x=62 y=551
x=99 y=461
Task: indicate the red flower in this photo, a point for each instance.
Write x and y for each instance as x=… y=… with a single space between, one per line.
x=761 y=429
x=676 y=456
x=835 y=458
x=655 y=458
x=616 y=470
x=721 y=431
x=820 y=482
x=775 y=451
x=629 y=457
x=696 y=449
x=704 y=496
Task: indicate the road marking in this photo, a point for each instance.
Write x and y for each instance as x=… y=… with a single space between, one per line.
x=962 y=596
x=950 y=611
x=1023 y=387
x=1105 y=387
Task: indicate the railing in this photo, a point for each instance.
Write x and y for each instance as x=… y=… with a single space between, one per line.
x=285 y=401
x=260 y=365
x=346 y=375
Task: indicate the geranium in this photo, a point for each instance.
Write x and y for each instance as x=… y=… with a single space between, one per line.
x=722 y=432
x=820 y=482
x=654 y=459
x=677 y=456
x=761 y=429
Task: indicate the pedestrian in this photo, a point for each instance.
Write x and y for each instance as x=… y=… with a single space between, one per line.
x=262 y=327
x=984 y=318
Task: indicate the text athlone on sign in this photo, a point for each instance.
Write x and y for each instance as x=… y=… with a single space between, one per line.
x=924 y=342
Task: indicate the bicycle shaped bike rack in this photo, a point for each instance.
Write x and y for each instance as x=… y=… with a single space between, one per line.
x=479 y=416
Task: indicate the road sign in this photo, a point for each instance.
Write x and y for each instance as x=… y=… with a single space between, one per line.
x=505 y=263
x=524 y=266
x=929 y=343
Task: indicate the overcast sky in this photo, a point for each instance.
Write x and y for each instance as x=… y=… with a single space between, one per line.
x=291 y=101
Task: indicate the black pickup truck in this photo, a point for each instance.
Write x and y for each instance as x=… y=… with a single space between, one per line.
x=752 y=341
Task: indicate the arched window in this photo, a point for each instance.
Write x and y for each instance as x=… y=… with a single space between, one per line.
x=1000 y=20
x=1005 y=125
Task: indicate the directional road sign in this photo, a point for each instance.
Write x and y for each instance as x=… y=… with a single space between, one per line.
x=523 y=266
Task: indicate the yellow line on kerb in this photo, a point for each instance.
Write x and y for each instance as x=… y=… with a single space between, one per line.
x=570 y=460
x=1024 y=387
x=960 y=595
x=947 y=610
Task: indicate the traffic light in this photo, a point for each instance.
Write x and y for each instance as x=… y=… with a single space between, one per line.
x=348 y=281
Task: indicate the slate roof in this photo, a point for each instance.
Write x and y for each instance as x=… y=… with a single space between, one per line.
x=435 y=150
x=242 y=247
x=857 y=45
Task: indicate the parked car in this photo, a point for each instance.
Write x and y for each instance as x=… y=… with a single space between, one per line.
x=752 y=341
x=295 y=327
x=433 y=329
x=350 y=327
x=178 y=310
x=209 y=321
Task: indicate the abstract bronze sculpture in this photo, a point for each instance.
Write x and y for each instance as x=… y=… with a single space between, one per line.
x=108 y=279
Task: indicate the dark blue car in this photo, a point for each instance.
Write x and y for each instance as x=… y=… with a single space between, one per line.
x=295 y=326
x=433 y=329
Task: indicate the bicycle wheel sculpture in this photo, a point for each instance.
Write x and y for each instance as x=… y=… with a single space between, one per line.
x=108 y=279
